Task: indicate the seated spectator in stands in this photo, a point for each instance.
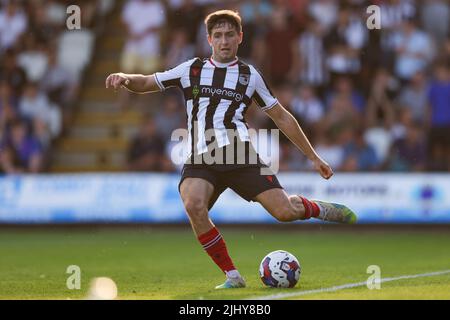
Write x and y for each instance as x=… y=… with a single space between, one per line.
x=60 y=85
x=142 y=50
x=279 y=40
x=33 y=59
x=344 y=43
x=41 y=23
x=12 y=73
x=410 y=152
x=325 y=12
x=180 y=50
x=7 y=97
x=380 y=106
x=35 y=104
x=307 y=108
x=8 y=107
x=415 y=97
x=254 y=14
x=146 y=151
x=309 y=55
x=170 y=117
x=435 y=17
x=414 y=50
x=329 y=145
x=358 y=152
x=19 y=151
x=13 y=23
x=439 y=120
x=343 y=88
x=291 y=159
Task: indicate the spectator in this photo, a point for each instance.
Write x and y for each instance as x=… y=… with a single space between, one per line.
x=146 y=151
x=325 y=12
x=380 y=106
x=12 y=73
x=8 y=108
x=142 y=49
x=409 y=153
x=41 y=23
x=185 y=16
x=435 y=16
x=20 y=153
x=358 y=155
x=414 y=50
x=254 y=15
x=180 y=50
x=309 y=56
x=279 y=41
x=58 y=84
x=307 y=108
x=439 y=121
x=13 y=23
x=169 y=118
x=33 y=59
x=415 y=97
x=343 y=89
x=35 y=104
x=344 y=43
x=329 y=147
x=291 y=159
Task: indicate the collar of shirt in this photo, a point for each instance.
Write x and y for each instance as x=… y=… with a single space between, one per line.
x=223 y=65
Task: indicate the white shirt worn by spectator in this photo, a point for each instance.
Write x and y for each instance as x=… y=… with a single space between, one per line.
x=11 y=27
x=324 y=11
x=310 y=110
x=41 y=108
x=381 y=140
x=408 y=63
x=139 y=17
x=34 y=63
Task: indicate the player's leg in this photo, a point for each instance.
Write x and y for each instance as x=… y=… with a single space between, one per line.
x=251 y=185
x=198 y=196
x=288 y=208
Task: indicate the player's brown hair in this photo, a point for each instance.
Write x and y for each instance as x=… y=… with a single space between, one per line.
x=221 y=16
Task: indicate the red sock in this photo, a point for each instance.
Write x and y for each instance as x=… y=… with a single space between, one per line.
x=311 y=208
x=216 y=248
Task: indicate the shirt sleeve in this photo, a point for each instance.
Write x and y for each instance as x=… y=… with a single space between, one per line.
x=263 y=96
x=172 y=77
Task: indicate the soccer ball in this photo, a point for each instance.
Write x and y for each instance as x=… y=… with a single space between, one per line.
x=280 y=269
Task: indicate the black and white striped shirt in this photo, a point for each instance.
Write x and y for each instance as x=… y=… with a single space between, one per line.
x=217 y=97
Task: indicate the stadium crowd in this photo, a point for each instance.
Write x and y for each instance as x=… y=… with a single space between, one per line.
x=370 y=100
x=41 y=66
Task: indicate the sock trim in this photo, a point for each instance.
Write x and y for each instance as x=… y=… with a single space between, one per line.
x=212 y=242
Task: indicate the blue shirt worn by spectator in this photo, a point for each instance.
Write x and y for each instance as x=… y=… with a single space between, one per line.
x=439 y=97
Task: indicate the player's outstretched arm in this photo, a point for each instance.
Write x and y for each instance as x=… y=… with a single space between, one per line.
x=137 y=83
x=286 y=122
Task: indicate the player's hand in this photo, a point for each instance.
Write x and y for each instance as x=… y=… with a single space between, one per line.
x=116 y=80
x=324 y=168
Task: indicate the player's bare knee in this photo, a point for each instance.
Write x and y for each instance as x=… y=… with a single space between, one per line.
x=196 y=207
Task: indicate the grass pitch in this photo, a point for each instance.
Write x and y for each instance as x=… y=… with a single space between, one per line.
x=168 y=263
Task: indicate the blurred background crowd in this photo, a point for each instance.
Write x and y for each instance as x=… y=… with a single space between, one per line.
x=41 y=68
x=369 y=100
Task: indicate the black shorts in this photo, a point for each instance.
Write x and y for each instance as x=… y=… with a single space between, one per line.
x=246 y=180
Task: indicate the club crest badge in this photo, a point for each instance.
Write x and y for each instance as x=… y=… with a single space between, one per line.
x=243 y=79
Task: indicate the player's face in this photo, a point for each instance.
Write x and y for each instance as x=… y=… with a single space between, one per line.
x=224 y=40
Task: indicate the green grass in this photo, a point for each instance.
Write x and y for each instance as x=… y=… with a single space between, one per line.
x=168 y=263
